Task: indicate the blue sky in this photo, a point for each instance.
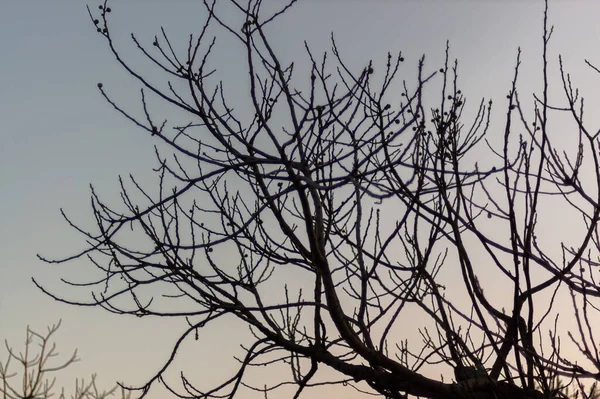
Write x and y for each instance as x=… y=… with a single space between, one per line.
x=58 y=135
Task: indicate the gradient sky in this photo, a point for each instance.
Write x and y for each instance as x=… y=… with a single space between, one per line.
x=57 y=134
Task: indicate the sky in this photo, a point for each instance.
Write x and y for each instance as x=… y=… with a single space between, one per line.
x=58 y=135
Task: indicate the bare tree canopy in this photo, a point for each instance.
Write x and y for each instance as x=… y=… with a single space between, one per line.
x=36 y=364
x=339 y=211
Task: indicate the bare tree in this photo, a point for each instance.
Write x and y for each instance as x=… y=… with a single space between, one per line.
x=335 y=220
x=36 y=366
